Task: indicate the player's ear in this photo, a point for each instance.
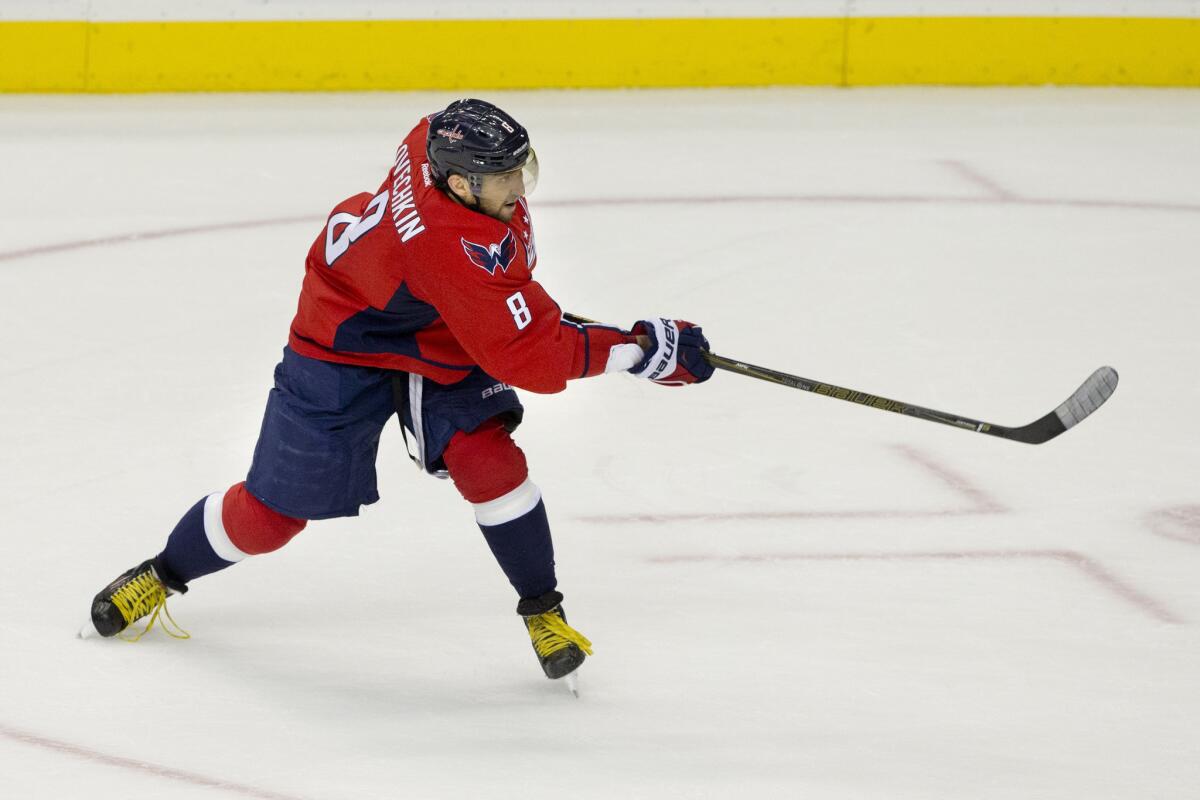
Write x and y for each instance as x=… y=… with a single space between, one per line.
x=461 y=188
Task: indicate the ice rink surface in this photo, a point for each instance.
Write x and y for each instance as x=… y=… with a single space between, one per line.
x=789 y=596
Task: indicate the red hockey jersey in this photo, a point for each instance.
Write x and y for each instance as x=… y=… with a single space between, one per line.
x=408 y=279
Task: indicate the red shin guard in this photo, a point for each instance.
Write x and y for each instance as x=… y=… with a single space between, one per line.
x=252 y=527
x=485 y=463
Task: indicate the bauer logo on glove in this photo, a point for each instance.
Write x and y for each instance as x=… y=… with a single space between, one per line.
x=675 y=354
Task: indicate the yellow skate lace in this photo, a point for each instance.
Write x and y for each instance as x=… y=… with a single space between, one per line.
x=550 y=634
x=143 y=595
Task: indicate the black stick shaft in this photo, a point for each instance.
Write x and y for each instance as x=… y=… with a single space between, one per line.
x=850 y=395
x=1094 y=391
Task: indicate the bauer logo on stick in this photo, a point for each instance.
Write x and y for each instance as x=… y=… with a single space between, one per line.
x=493 y=256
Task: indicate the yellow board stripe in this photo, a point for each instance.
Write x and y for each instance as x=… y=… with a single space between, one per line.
x=43 y=56
x=451 y=54
x=594 y=53
x=1024 y=51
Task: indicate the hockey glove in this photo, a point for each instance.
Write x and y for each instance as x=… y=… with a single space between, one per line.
x=675 y=355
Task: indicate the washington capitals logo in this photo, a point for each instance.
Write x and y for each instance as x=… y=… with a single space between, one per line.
x=492 y=256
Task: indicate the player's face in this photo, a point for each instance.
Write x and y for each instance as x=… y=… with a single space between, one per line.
x=499 y=193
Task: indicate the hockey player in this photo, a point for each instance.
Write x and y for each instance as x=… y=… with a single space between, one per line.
x=418 y=301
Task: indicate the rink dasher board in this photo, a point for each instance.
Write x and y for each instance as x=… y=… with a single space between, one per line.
x=238 y=45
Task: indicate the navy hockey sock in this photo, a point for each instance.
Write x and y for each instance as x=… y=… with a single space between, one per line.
x=189 y=552
x=523 y=548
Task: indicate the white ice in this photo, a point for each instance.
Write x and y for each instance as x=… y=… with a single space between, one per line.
x=789 y=596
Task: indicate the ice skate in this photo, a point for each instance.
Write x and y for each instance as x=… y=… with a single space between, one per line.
x=135 y=594
x=559 y=647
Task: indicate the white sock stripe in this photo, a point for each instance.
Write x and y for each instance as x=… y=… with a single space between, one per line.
x=517 y=503
x=214 y=529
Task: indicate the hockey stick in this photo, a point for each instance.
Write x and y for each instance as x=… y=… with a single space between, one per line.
x=1085 y=400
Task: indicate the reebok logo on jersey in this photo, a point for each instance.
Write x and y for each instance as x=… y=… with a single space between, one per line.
x=493 y=256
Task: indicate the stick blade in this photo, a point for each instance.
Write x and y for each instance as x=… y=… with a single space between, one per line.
x=1088 y=397
x=1099 y=386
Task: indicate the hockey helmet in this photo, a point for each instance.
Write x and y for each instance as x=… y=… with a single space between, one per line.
x=474 y=138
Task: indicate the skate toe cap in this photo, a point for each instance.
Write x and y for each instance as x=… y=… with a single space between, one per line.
x=564 y=662
x=107 y=620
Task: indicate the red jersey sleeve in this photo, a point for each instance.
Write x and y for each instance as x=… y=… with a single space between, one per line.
x=506 y=321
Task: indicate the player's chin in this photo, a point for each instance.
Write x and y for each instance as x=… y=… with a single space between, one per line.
x=505 y=214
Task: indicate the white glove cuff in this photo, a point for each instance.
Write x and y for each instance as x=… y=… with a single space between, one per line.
x=622 y=357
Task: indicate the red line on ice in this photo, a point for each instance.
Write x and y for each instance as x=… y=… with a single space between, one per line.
x=1181 y=523
x=598 y=202
x=983 y=503
x=144 y=236
x=978 y=502
x=137 y=765
x=1088 y=566
x=995 y=191
x=758 y=516
x=880 y=199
